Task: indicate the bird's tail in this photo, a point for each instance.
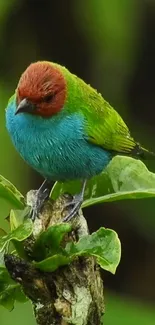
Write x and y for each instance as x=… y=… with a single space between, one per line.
x=142 y=153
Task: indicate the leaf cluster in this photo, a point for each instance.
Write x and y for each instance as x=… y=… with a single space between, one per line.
x=124 y=178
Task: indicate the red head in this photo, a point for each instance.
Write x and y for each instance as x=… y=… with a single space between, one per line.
x=41 y=90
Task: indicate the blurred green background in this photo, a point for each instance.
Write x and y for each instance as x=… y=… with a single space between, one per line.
x=110 y=44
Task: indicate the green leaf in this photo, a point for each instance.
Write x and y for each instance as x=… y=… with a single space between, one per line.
x=124 y=178
x=10 y=291
x=1 y=259
x=52 y=263
x=16 y=217
x=104 y=244
x=2 y=232
x=130 y=179
x=128 y=195
x=18 y=234
x=59 y=188
x=49 y=240
x=9 y=192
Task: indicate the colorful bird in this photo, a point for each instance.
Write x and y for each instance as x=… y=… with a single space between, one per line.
x=64 y=129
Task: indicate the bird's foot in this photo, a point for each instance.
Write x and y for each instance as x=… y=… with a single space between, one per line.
x=38 y=204
x=41 y=196
x=75 y=205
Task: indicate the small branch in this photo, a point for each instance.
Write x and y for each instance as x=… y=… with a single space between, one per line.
x=73 y=294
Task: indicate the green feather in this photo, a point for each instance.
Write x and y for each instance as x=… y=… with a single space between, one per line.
x=103 y=125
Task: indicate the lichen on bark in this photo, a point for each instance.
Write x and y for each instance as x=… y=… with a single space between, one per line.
x=73 y=294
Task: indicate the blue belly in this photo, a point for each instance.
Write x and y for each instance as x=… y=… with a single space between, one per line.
x=56 y=147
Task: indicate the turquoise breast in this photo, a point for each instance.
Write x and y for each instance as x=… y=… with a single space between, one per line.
x=56 y=147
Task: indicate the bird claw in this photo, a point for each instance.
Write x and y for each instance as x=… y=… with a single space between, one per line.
x=75 y=204
x=41 y=196
x=34 y=213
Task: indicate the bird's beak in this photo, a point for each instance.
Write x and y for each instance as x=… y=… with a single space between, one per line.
x=25 y=106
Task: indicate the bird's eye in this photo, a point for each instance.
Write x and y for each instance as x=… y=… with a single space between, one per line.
x=48 y=98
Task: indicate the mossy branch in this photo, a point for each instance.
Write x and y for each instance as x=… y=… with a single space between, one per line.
x=72 y=294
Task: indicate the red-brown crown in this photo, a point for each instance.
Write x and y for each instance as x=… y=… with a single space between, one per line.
x=43 y=84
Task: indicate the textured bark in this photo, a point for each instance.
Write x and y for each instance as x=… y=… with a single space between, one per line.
x=73 y=294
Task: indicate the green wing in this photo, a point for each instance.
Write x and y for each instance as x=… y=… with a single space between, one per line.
x=105 y=127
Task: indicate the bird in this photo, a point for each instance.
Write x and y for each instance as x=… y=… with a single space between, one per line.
x=64 y=129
